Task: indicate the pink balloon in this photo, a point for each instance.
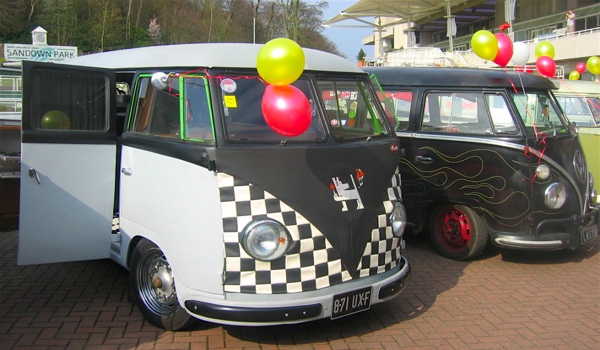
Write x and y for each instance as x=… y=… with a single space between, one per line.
x=546 y=66
x=580 y=67
x=286 y=109
x=505 y=49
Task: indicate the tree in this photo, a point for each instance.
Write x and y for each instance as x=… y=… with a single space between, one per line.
x=154 y=31
x=12 y=15
x=100 y=25
x=361 y=55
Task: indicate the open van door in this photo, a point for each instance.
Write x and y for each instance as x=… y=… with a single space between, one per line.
x=68 y=154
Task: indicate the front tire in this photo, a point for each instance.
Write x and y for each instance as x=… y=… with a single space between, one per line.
x=152 y=286
x=457 y=232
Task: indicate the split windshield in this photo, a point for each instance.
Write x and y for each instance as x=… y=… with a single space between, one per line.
x=181 y=109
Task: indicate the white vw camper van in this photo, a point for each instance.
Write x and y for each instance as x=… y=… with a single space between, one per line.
x=160 y=159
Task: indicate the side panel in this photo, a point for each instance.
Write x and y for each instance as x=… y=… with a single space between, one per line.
x=175 y=204
x=590 y=142
x=490 y=176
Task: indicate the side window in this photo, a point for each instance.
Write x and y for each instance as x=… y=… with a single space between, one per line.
x=595 y=107
x=501 y=117
x=399 y=102
x=351 y=111
x=402 y=101
x=157 y=111
x=198 y=125
x=69 y=100
x=164 y=118
x=463 y=112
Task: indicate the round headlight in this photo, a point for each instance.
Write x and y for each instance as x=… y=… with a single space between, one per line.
x=543 y=171
x=398 y=220
x=265 y=240
x=555 y=196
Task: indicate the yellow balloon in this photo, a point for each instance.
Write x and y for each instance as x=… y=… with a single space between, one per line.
x=544 y=49
x=574 y=75
x=485 y=44
x=280 y=61
x=593 y=65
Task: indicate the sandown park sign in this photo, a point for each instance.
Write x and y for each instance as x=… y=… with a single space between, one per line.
x=42 y=53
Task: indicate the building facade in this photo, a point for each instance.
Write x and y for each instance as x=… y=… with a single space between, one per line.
x=426 y=42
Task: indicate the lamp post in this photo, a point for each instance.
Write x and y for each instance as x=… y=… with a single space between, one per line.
x=254 y=13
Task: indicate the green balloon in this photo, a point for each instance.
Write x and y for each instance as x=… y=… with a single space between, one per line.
x=485 y=44
x=574 y=75
x=593 y=64
x=544 y=49
x=56 y=119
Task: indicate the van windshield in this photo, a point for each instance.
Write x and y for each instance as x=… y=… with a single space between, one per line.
x=539 y=114
x=244 y=119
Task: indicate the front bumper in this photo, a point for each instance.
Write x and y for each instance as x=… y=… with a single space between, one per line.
x=262 y=310
x=555 y=234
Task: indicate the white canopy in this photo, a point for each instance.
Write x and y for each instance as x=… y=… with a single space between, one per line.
x=404 y=10
x=419 y=12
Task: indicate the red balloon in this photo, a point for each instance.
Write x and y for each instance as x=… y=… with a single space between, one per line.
x=546 y=66
x=286 y=109
x=505 y=50
x=580 y=67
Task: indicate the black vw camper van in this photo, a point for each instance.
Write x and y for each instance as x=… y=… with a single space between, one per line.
x=488 y=155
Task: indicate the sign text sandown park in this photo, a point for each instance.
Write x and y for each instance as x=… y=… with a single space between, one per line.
x=43 y=53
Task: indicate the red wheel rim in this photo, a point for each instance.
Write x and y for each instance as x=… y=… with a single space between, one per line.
x=454 y=230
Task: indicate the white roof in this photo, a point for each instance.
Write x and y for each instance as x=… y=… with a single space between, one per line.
x=203 y=55
x=576 y=87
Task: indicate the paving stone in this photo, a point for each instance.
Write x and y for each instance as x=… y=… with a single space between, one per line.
x=501 y=300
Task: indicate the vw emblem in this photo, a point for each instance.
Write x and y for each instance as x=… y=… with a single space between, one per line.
x=579 y=166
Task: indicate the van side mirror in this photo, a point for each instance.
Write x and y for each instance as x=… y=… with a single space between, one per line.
x=159 y=80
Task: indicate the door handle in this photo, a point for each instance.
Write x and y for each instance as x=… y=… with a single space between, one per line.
x=424 y=160
x=126 y=171
x=34 y=174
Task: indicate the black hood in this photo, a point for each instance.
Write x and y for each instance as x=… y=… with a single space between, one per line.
x=305 y=178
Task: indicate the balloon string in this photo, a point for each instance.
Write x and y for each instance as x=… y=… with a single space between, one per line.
x=541 y=145
x=219 y=76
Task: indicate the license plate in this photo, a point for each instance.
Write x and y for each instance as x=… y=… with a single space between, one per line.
x=589 y=234
x=351 y=302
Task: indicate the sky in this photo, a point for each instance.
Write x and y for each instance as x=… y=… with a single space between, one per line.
x=347 y=39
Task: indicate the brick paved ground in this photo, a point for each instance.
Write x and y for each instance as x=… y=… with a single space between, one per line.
x=504 y=300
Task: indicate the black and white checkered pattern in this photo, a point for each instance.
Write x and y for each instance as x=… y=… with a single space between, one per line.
x=382 y=253
x=312 y=262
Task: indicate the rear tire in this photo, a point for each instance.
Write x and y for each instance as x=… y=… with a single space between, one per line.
x=152 y=286
x=457 y=232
